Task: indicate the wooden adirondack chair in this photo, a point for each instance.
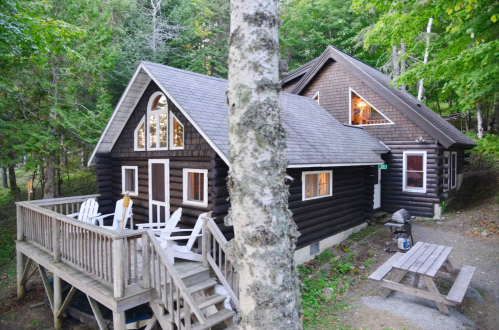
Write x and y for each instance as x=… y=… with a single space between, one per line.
x=170 y=226
x=88 y=211
x=118 y=216
x=174 y=250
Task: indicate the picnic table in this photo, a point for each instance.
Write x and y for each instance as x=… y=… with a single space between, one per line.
x=424 y=259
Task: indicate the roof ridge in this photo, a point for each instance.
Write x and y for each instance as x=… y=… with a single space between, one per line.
x=185 y=71
x=372 y=67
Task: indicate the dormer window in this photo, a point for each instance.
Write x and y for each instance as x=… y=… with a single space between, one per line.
x=363 y=113
x=316 y=98
x=157 y=122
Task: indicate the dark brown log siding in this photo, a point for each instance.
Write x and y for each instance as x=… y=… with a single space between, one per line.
x=333 y=83
x=350 y=205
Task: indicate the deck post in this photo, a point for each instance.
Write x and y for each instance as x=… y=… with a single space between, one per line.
x=206 y=243
x=57 y=302
x=56 y=240
x=119 y=268
x=21 y=288
x=119 y=321
x=146 y=277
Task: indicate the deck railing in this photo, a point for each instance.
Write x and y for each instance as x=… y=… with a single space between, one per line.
x=106 y=254
x=215 y=255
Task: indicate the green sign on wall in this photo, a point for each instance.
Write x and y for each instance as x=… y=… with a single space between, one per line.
x=383 y=167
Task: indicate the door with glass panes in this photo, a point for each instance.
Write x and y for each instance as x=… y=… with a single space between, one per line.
x=159 y=190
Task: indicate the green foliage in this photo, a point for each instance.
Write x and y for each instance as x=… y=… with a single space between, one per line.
x=310 y=26
x=488 y=145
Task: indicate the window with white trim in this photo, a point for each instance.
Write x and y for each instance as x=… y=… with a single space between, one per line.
x=176 y=133
x=195 y=184
x=317 y=184
x=157 y=122
x=130 y=180
x=139 y=136
x=363 y=113
x=316 y=98
x=414 y=171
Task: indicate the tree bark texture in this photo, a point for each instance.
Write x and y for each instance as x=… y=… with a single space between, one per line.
x=3 y=174
x=428 y=31
x=12 y=178
x=395 y=62
x=265 y=235
x=479 y=122
x=493 y=117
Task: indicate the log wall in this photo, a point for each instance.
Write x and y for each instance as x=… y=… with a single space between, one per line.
x=350 y=205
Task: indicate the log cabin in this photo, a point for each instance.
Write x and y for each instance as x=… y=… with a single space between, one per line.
x=427 y=154
x=167 y=139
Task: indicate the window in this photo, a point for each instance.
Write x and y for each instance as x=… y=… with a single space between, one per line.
x=363 y=113
x=140 y=136
x=317 y=184
x=195 y=187
x=176 y=133
x=157 y=122
x=414 y=171
x=453 y=170
x=130 y=180
x=316 y=98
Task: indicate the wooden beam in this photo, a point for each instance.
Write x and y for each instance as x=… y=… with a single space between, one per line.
x=399 y=275
x=25 y=277
x=66 y=302
x=97 y=313
x=152 y=322
x=21 y=288
x=433 y=288
x=46 y=284
x=57 y=302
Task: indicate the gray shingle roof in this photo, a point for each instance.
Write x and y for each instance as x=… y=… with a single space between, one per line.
x=435 y=125
x=314 y=136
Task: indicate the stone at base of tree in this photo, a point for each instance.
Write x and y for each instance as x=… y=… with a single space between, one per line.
x=473 y=294
x=439 y=222
x=485 y=233
x=328 y=293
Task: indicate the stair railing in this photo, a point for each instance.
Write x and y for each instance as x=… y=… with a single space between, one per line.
x=214 y=255
x=160 y=273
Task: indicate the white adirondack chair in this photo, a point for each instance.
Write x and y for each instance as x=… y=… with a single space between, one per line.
x=174 y=250
x=118 y=216
x=170 y=226
x=88 y=211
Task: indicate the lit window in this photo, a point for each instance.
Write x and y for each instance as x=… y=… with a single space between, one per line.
x=316 y=98
x=157 y=123
x=414 y=175
x=130 y=180
x=363 y=113
x=140 y=136
x=317 y=184
x=195 y=184
x=176 y=133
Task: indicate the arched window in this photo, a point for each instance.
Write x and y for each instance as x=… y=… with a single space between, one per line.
x=157 y=122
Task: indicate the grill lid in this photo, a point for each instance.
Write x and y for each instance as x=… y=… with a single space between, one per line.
x=401 y=216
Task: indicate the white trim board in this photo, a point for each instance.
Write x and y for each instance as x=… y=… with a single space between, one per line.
x=333 y=165
x=350 y=90
x=404 y=170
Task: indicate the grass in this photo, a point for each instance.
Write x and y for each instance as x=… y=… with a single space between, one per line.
x=336 y=268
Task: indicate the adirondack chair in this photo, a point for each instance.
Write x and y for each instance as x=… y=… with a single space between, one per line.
x=88 y=211
x=174 y=250
x=170 y=224
x=118 y=216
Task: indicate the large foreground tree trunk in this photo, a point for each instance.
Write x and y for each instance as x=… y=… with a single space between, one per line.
x=265 y=235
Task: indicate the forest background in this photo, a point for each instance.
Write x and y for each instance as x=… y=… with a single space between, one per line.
x=64 y=64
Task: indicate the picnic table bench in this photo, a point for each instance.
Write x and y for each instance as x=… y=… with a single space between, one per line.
x=425 y=259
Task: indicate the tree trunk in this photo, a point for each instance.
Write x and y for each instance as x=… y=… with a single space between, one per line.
x=493 y=117
x=395 y=63
x=3 y=174
x=48 y=189
x=12 y=178
x=265 y=235
x=450 y=100
x=402 y=61
x=479 y=122
x=428 y=32
x=466 y=122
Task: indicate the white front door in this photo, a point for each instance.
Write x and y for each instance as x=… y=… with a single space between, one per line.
x=377 y=191
x=159 y=190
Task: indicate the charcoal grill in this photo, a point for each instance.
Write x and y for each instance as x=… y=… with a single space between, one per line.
x=400 y=225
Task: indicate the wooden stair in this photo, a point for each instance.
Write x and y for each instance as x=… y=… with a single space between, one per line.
x=167 y=320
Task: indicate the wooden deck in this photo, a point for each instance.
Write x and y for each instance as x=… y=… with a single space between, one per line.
x=107 y=267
